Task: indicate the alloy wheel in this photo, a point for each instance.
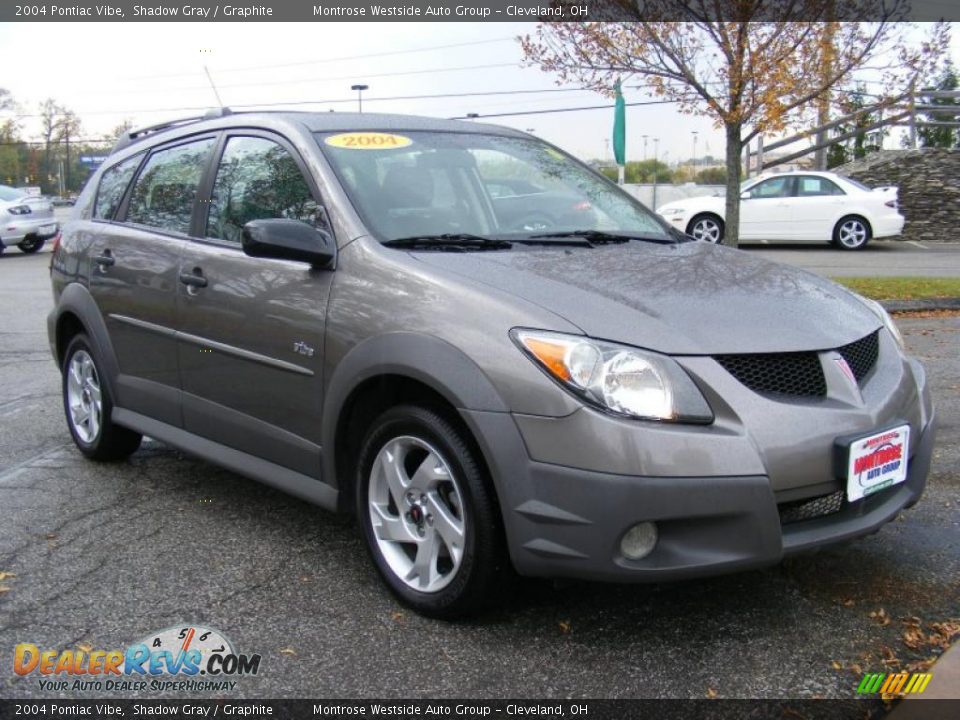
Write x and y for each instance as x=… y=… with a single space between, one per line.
x=707 y=230
x=417 y=513
x=852 y=234
x=84 y=398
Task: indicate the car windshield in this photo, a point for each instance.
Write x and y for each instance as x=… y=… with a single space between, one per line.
x=432 y=184
x=8 y=193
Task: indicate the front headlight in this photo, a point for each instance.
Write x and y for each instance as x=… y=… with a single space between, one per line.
x=19 y=210
x=669 y=212
x=616 y=378
x=884 y=316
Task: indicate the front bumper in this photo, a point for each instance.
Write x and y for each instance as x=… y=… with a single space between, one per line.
x=722 y=496
x=565 y=522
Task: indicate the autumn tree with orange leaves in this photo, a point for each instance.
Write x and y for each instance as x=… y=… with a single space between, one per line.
x=753 y=66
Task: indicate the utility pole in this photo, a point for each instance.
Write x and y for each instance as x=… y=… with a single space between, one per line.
x=694 y=153
x=644 y=146
x=656 y=145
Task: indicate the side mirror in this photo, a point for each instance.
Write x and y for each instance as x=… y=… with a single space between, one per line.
x=284 y=239
x=745 y=195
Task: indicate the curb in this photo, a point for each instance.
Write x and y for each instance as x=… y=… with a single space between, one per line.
x=948 y=303
x=945 y=685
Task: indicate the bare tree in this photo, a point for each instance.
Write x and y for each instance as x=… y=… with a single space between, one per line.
x=753 y=66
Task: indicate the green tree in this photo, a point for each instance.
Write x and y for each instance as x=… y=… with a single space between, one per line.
x=942 y=136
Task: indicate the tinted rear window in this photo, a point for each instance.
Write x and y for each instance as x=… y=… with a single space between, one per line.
x=113 y=185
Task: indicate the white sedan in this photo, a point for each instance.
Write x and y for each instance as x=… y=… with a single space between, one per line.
x=795 y=206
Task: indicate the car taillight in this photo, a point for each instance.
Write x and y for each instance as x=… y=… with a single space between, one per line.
x=55 y=247
x=891 y=204
x=582 y=206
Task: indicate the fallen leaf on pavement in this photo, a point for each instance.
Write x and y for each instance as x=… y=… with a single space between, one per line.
x=288 y=651
x=836 y=666
x=85 y=647
x=564 y=626
x=711 y=693
x=5 y=575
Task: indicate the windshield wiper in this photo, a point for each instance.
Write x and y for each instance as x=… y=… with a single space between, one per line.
x=450 y=241
x=600 y=237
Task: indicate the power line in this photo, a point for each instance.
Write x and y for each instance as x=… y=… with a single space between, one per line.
x=560 y=110
x=293 y=103
x=342 y=58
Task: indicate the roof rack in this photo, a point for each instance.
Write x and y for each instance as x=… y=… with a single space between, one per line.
x=129 y=138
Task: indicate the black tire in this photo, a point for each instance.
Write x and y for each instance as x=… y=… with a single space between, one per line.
x=716 y=220
x=110 y=441
x=484 y=565
x=31 y=245
x=852 y=233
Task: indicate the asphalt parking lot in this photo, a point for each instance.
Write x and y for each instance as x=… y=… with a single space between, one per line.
x=99 y=555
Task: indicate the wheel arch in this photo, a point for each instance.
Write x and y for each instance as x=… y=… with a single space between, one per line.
x=77 y=312
x=389 y=370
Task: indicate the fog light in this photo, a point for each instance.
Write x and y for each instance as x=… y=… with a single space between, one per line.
x=639 y=541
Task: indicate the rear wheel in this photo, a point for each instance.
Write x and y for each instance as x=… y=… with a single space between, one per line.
x=88 y=406
x=706 y=227
x=427 y=515
x=31 y=245
x=851 y=233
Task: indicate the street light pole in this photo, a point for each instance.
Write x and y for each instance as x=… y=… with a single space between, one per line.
x=644 y=146
x=359 y=89
x=656 y=146
x=694 y=152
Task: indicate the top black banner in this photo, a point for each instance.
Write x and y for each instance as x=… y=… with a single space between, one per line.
x=481 y=10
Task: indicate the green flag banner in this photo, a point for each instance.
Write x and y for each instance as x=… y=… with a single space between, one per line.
x=619 y=129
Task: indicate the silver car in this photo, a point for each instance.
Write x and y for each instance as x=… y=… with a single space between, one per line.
x=25 y=221
x=331 y=304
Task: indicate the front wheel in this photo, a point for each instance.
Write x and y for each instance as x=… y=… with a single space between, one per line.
x=88 y=405
x=851 y=233
x=31 y=245
x=426 y=513
x=706 y=227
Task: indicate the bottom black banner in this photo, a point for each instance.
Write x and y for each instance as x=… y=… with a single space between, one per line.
x=593 y=709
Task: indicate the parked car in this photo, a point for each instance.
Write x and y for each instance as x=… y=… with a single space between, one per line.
x=327 y=304
x=522 y=205
x=25 y=220
x=796 y=206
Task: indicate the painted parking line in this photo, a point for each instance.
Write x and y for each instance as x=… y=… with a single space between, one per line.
x=918 y=244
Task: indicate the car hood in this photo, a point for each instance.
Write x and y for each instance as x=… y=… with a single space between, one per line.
x=686 y=299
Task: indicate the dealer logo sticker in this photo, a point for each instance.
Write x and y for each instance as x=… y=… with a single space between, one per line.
x=185 y=658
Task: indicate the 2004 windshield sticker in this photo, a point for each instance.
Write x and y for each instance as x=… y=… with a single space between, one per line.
x=184 y=658
x=368 y=141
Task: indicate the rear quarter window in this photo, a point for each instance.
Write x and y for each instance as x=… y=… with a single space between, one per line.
x=113 y=185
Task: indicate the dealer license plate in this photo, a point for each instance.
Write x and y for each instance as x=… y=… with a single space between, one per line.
x=877 y=461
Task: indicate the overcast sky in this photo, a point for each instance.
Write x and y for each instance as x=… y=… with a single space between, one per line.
x=149 y=72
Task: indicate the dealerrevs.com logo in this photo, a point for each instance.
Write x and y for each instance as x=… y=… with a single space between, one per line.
x=186 y=658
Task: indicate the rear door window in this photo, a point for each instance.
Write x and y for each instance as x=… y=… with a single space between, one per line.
x=810 y=186
x=164 y=193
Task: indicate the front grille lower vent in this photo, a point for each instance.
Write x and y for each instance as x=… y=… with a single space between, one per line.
x=801 y=510
x=798 y=374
